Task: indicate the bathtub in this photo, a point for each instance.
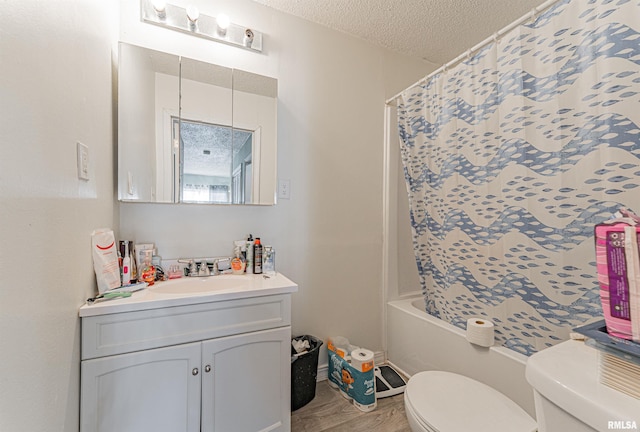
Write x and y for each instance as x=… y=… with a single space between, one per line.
x=416 y=342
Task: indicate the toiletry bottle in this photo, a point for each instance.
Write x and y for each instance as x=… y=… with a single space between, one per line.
x=148 y=271
x=249 y=247
x=237 y=263
x=126 y=265
x=134 y=266
x=242 y=245
x=120 y=265
x=257 y=257
x=269 y=261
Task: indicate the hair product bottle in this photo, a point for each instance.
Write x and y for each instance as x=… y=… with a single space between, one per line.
x=257 y=256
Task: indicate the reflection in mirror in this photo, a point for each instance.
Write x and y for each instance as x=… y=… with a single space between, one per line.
x=215 y=163
x=199 y=133
x=148 y=89
x=254 y=110
x=205 y=138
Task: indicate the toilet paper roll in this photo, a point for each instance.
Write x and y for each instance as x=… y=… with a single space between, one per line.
x=362 y=359
x=480 y=332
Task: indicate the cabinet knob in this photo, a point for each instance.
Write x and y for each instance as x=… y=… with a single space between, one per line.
x=194 y=372
x=207 y=368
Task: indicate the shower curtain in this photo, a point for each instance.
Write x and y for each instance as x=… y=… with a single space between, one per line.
x=510 y=159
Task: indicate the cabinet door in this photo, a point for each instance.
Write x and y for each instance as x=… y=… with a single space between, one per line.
x=155 y=390
x=248 y=386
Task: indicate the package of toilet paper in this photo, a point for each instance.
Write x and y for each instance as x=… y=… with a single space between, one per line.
x=618 y=268
x=353 y=377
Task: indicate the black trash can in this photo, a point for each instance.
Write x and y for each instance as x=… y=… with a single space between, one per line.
x=304 y=371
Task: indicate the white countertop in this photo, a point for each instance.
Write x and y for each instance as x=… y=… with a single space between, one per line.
x=171 y=293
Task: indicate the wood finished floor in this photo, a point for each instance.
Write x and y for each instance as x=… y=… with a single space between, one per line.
x=329 y=411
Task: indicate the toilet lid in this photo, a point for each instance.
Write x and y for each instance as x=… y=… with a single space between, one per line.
x=450 y=402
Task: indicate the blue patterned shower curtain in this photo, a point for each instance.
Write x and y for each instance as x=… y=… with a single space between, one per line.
x=512 y=156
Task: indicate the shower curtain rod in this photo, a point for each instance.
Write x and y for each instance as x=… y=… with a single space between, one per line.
x=530 y=16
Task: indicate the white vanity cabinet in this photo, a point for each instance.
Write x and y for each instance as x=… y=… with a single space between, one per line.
x=212 y=366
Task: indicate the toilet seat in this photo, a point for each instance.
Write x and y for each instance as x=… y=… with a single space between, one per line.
x=438 y=401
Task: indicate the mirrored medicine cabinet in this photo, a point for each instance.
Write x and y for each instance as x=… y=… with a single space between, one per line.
x=194 y=132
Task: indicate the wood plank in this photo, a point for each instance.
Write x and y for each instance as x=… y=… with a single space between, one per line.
x=330 y=411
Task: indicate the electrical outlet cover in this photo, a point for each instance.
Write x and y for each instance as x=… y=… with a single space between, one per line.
x=83 y=161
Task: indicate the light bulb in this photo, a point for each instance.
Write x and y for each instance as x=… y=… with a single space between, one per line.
x=248 y=38
x=160 y=7
x=223 y=23
x=193 y=14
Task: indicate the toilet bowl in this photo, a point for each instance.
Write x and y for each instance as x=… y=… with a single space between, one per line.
x=437 y=401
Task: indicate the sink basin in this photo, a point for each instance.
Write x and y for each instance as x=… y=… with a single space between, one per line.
x=195 y=285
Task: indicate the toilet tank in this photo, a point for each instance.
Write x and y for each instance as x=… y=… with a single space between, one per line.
x=551 y=418
x=569 y=397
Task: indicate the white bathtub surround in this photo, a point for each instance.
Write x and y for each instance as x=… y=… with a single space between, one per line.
x=416 y=342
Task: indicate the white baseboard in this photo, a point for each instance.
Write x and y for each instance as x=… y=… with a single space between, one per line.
x=323 y=369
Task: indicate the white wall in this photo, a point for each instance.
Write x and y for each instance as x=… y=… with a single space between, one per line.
x=56 y=89
x=328 y=236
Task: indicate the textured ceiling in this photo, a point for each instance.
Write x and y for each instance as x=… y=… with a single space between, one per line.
x=434 y=30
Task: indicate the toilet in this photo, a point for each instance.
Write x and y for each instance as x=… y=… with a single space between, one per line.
x=438 y=401
x=569 y=396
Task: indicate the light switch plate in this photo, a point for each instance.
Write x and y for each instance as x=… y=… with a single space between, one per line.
x=83 y=161
x=284 y=189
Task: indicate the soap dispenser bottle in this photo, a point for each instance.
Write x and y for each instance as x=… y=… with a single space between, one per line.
x=148 y=271
x=238 y=264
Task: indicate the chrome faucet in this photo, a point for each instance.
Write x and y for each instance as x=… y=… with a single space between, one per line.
x=204 y=269
x=193 y=268
x=200 y=266
x=221 y=264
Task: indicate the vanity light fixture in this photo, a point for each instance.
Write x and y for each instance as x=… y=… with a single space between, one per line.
x=191 y=21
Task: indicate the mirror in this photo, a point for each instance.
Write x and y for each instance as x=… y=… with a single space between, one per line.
x=193 y=132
